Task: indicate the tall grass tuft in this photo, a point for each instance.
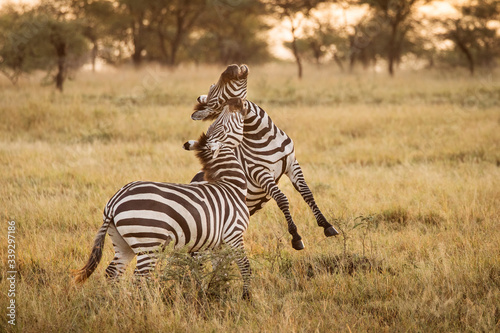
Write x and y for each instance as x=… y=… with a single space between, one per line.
x=202 y=276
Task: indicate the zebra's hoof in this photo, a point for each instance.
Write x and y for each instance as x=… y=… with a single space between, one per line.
x=330 y=231
x=298 y=245
x=246 y=295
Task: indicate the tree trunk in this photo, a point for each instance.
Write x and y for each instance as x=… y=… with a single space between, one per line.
x=352 y=62
x=317 y=56
x=93 y=55
x=184 y=23
x=174 y=48
x=61 y=62
x=338 y=62
x=163 y=47
x=138 y=44
x=468 y=55
x=353 y=52
x=391 y=52
x=297 y=58
x=295 y=50
x=430 y=63
x=137 y=55
x=316 y=49
x=391 y=65
x=176 y=42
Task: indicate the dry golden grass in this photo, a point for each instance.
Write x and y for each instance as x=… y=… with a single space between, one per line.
x=417 y=156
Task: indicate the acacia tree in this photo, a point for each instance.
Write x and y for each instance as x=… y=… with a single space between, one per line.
x=102 y=24
x=61 y=41
x=366 y=41
x=230 y=32
x=472 y=34
x=326 y=38
x=159 y=29
x=396 y=15
x=293 y=11
x=134 y=17
x=171 y=22
x=17 y=55
x=43 y=37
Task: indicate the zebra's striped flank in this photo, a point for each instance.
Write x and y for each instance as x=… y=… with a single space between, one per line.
x=143 y=217
x=266 y=152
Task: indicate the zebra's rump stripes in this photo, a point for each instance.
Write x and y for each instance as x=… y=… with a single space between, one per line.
x=150 y=213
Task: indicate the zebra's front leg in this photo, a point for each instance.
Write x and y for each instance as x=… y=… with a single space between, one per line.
x=246 y=273
x=266 y=182
x=297 y=178
x=243 y=265
x=146 y=262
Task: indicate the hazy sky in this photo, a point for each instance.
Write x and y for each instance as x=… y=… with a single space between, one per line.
x=16 y=1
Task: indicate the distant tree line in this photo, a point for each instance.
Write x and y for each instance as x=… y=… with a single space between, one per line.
x=391 y=30
x=59 y=36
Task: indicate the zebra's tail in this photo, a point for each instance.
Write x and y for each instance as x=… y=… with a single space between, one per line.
x=80 y=275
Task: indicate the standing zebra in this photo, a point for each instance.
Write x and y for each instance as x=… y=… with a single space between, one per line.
x=266 y=152
x=143 y=217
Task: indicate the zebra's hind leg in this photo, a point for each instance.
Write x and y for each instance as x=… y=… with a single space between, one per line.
x=123 y=254
x=297 y=178
x=267 y=182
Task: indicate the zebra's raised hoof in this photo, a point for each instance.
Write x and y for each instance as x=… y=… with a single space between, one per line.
x=298 y=244
x=234 y=72
x=330 y=231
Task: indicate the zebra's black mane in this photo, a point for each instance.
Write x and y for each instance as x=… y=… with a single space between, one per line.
x=204 y=154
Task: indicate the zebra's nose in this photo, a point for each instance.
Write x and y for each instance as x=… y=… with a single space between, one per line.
x=189 y=145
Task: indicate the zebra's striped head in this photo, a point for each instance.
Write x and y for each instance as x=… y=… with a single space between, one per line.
x=225 y=131
x=232 y=84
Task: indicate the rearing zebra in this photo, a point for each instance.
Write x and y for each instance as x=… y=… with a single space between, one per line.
x=143 y=217
x=266 y=152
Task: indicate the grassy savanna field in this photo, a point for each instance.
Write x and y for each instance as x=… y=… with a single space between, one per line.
x=417 y=156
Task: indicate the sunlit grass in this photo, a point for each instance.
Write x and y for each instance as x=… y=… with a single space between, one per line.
x=417 y=156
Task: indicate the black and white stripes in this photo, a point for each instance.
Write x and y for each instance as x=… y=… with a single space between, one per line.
x=143 y=217
x=266 y=152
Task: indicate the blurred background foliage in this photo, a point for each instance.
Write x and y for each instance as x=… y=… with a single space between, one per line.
x=60 y=36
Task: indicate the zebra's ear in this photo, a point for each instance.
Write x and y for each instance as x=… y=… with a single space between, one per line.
x=190 y=145
x=215 y=147
x=202 y=99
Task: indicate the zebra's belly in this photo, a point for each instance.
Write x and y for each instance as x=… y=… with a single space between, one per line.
x=256 y=195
